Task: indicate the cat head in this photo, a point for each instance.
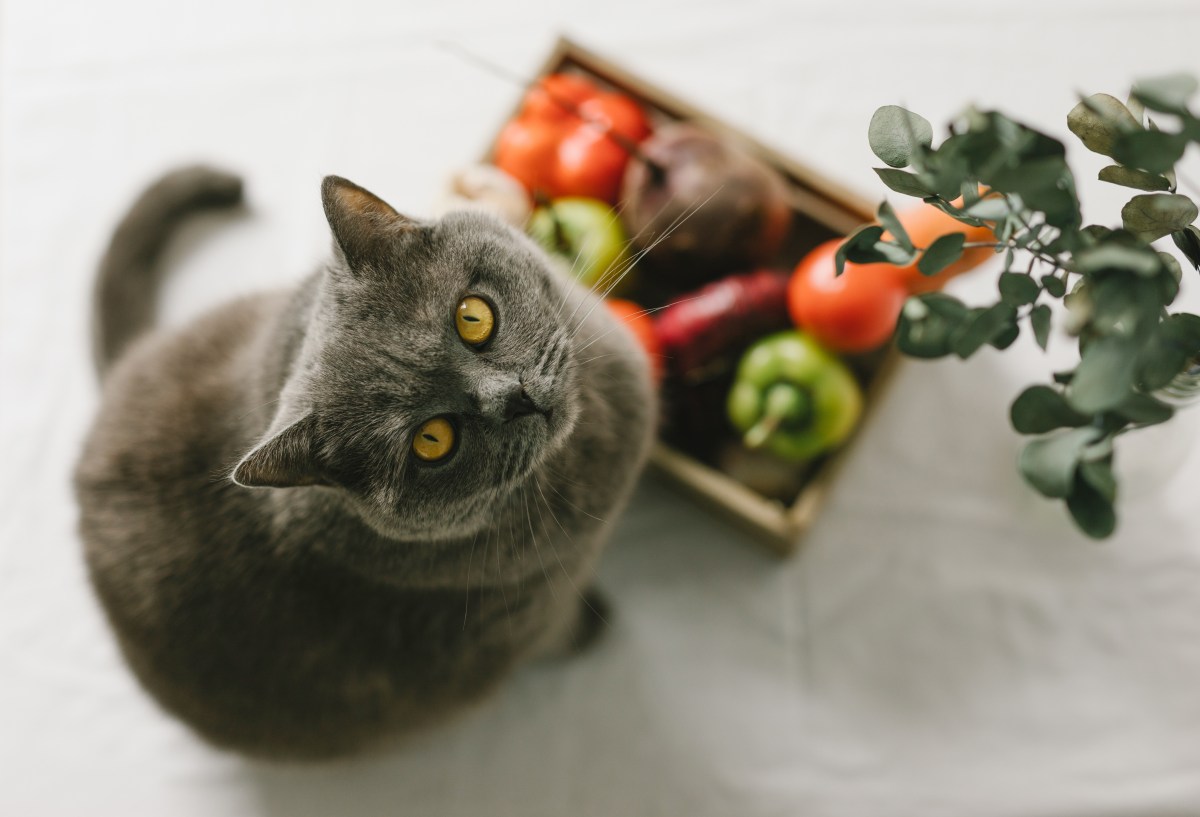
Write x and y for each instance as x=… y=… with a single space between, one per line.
x=436 y=370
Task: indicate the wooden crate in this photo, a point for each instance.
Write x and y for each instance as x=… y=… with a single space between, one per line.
x=822 y=209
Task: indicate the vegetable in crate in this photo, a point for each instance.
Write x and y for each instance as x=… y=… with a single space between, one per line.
x=587 y=235
x=638 y=321
x=793 y=398
x=571 y=138
x=720 y=318
x=852 y=312
x=701 y=206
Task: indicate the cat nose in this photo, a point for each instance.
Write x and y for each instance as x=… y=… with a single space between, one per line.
x=518 y=404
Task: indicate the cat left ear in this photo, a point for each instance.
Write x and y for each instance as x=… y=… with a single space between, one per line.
x=359 y=219
x=285 y=460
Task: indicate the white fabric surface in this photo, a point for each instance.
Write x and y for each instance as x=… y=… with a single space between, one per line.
x=945 y=644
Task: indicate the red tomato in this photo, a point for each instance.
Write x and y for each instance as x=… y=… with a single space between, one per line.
x=852 y=312
x=561 y=141
x=642 y=327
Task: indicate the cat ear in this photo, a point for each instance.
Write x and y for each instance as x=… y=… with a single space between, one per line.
x=360 y=220
x=284 y=460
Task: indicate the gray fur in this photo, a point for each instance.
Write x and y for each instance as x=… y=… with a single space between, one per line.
x=357 y=593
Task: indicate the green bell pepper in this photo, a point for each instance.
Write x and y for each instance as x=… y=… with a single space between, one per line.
x=792 y=398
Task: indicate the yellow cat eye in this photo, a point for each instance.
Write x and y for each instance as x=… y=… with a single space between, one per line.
x=474 y=320
x=434 y=440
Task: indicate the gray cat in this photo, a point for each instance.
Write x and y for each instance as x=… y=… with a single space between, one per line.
x=324 y=517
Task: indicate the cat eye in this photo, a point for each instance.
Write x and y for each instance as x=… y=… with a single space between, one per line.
x=474 y=320
x=434 y=440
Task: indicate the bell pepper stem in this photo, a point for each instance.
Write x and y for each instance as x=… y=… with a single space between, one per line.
x=783 y=403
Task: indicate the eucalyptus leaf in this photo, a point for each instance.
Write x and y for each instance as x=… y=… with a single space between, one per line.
x=1153 y=216
x=990 y=209
x=903 y=182
x=896 y=135
x=1105 y=375
x=943 y=252
x=859 y=247
x=1018 y=289
x=1039 y=320
x=1137 y=179
x=1150 y=150
x=1049 y=463
x=1007 y=337
x=1099 y=475
x=1169 y=94
x=927 y=323
x=894 y=253
x=1055 y=287
x=981 y=327
x=1188 y=242
x=888 y=218
x=1040 y=409
x=1175 y=342
x=1092 y=511
x=1144 y=410
x=1098 y=120
x=1113 y=255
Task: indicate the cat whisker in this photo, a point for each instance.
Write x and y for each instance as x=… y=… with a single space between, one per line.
x=631 y=317
x=470 y=560
x=675 y=225
x=576 y=507
x=533 y=539
x=570 y=579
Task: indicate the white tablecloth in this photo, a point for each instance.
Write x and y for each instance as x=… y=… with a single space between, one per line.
x=945 y=644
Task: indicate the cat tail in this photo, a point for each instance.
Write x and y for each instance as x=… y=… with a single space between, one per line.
x=127 y=283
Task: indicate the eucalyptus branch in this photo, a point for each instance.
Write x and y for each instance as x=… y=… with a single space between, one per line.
x=1134 y=352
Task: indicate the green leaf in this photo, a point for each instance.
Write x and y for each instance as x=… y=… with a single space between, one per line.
x=895 y=253
x=927 y=323
x=1018 y=289
x=1169 y=94
x=1090 y=508
x=887 y=217
x=981 y=327
x=941 y=253
x=1150 y=150
x=1007 y=337
x=993 y=208
x=1049 y=463
x=1175 y=342
x=1188 y=242
x=859 y=247
x=1055 y=287
x=1098 y=120
x=1144 y=410
x=1137 y=179
x=896 y=135
x=1039 y=409
x=1153 y=216
x=1114 y=255
x=1123 y=304
x=904 y=183
x=1104 y=377
x=1039 y=320
x=1099 y=475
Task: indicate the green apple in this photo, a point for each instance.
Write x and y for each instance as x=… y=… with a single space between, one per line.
x=588 y=237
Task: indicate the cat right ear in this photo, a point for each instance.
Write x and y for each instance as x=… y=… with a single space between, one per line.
x=285 y=460
x=361 y=222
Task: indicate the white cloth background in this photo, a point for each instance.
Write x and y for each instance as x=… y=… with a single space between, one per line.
x=945 y=644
